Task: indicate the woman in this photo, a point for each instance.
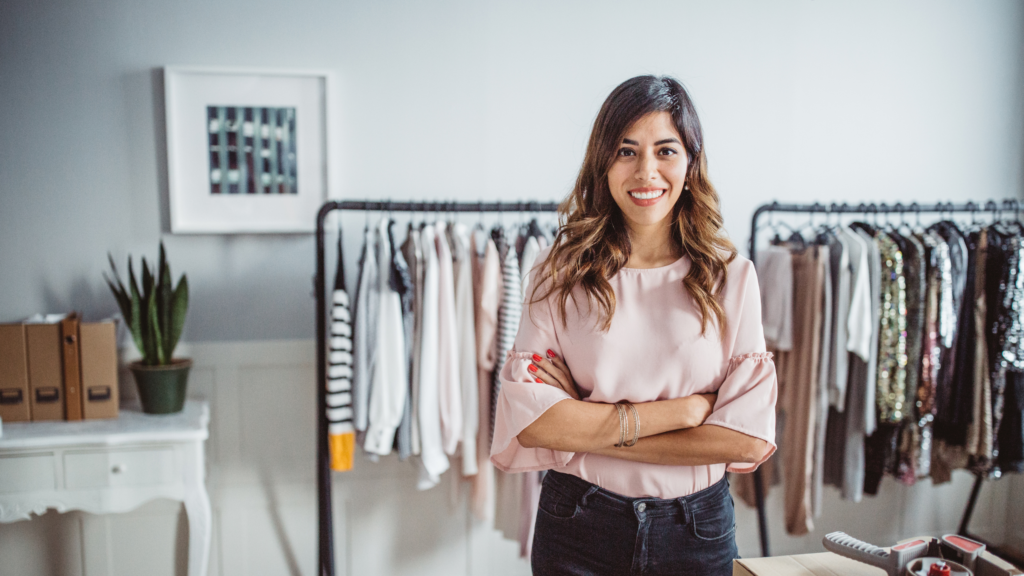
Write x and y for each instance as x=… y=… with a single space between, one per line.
x=639 y=375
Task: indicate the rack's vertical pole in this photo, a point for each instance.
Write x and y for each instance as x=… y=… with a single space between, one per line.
x=762 y=520
x=969 y=511
x=323 y=470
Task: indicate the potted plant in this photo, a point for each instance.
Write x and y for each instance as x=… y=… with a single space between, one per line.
x=155 y=315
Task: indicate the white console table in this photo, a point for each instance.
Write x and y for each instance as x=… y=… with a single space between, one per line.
x=104 y=466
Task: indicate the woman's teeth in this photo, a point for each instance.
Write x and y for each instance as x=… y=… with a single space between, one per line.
x=646 y=195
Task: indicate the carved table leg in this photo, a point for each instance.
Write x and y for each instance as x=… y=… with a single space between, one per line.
x=197 y=507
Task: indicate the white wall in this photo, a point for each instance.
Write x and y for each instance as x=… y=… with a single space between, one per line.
x=474 y=100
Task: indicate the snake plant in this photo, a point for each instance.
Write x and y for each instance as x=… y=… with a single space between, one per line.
x=156 y=314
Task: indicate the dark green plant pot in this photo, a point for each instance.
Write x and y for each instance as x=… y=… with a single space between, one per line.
x=162 y=388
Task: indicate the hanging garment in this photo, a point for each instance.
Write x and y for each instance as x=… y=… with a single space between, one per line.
x=954 y=418
x=486 y=300
x=937 y=257
x=881 y=447
x=1011 y=429
x=979 y=431
x=1005 y=293
x=401 y=282
x=433 y=460
x=858 y=329
x=448 y=382
x=466 y=328
x=775 y=276
x=892 y=344
x=861 y=384
x=528 y=511
x=840 y=275
x=390 y=382
x=915 y=273
x=798 y=389
x=341 y=436
x=952 y=303
x=413 y=254
x=860 y=324
x=510 y=310
x=508 y=487
x=530 y=251
x=821 y=393
x=365 y=338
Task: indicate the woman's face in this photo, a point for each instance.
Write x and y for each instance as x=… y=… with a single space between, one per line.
x=649 y=170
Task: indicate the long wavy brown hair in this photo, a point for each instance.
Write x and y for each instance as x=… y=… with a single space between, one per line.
x=593 y=242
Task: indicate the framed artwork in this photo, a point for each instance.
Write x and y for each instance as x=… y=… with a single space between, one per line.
x=247 y=150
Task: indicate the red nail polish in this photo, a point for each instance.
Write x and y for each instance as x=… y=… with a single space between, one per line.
x=539 y=381
x=537 y=358
x=532 y=368
x=551 y=354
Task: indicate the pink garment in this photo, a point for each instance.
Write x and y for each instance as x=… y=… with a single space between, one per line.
x=448 y=384
x=652 y=351
x=486 y=299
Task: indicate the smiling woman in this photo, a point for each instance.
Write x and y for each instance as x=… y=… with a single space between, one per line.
x=641 y=395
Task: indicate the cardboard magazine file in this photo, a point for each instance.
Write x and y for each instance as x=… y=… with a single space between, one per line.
x=72 y=367
x=98 y=355
x=14 y=390
x=45 y=368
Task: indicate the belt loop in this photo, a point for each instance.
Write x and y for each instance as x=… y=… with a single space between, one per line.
x=591 y=490
x=684 y=507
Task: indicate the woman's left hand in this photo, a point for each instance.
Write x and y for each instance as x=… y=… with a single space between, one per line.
x=553 y=372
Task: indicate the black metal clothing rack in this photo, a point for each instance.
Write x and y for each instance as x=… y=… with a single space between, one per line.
x=323 y=470
x=879 y=208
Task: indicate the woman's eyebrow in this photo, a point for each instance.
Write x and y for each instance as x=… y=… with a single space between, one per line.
x=658 y=143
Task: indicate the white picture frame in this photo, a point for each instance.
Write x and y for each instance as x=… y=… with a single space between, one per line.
x=273 y=175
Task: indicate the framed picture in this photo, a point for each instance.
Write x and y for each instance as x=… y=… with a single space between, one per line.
x=247 y=150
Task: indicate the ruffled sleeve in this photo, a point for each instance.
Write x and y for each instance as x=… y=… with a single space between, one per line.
x=521 y=399
x=748 y=394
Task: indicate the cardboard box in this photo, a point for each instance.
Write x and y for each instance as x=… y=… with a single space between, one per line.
x=824 y=564
x=45 y=370
x=14 y=390
x=98 y=353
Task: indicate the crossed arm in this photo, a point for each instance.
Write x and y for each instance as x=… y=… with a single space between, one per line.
x=672 y=431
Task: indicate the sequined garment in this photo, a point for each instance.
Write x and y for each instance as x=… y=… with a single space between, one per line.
x=915 y=268
x=1005 y=290
x=937 y=276
x=892 y=343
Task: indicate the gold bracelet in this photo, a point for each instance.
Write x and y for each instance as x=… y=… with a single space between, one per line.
x=636 y=425
x=622 y=424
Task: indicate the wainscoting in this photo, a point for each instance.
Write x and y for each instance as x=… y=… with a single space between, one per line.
x=261 y=479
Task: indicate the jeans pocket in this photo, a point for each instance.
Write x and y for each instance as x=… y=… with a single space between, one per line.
x=715 y=521
x=556 y=503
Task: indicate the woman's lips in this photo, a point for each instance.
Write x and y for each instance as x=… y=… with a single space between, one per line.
x=645 y=196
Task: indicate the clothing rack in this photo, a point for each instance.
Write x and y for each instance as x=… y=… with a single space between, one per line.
x=972 y=208
x=323 y=471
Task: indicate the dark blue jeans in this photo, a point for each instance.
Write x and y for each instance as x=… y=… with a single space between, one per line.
x=583 y=529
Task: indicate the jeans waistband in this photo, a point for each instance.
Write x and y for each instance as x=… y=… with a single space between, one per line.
x=584 y=492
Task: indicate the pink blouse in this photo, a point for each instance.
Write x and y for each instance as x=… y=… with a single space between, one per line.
x=652 y=351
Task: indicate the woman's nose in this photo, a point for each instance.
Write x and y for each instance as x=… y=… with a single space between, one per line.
x=646 y=169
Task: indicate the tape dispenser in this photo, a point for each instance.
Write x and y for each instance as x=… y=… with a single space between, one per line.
x=950 y=555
